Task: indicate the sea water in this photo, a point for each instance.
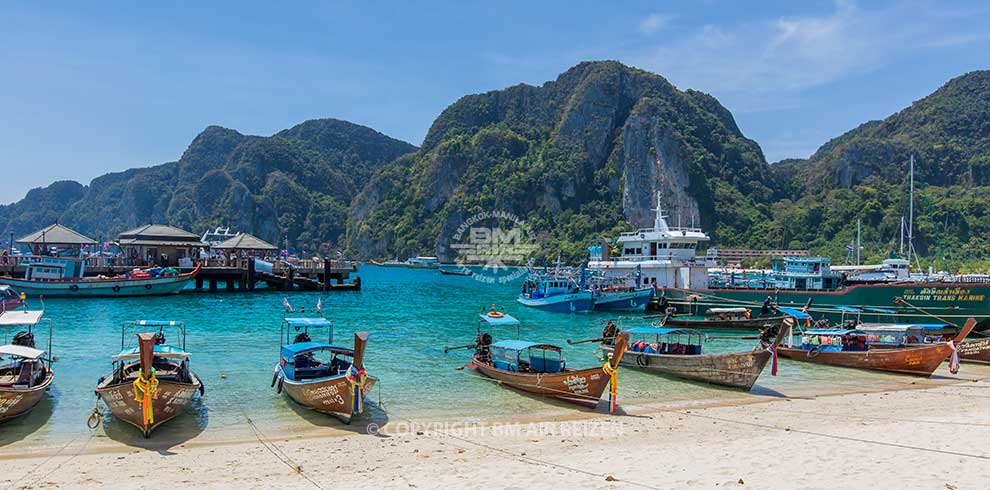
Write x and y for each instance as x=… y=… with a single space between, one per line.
x=411 y=315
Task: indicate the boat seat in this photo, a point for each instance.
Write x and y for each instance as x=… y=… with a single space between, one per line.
x=27 y=374
x=312 y=372
x=542 y=365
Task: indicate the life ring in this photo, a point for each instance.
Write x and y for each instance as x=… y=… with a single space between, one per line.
x=495 y=314
x=147 y=286
x=74 y=288
x=116 y=289
x=642 y=360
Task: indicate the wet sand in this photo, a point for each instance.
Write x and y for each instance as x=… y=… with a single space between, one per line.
x=902 y=433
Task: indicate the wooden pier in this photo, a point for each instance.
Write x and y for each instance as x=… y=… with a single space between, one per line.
x=233 y=274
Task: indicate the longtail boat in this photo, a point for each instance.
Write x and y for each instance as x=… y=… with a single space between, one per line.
x=540 y=368
x=9 y=299
x=894 y=348
x=25 y=372
x=726 y=319
x=151 y=383
x=64 y=278
x=320 y=375
x=677 y=352
x=975 y=350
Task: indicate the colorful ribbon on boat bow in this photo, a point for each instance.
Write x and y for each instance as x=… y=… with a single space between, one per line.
x=953 y=358
x=146 y=390
x=357 y=378
x=613 y=386
x=773 y=359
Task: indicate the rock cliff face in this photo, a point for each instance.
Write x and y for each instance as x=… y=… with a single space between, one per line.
x=297 y=183
x=578 y=156
x=948 y=132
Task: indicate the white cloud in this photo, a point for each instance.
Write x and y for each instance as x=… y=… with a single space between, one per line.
x=654 y=22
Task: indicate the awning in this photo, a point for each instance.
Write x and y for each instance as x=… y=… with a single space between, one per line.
x=20 y=317
x=307 y=322
x=159 y=323
x=160 y=351
x=21 y=351
x=664 y=331
x=292 y=350
x=522 y=345
x=504 y=321
x=800 y=315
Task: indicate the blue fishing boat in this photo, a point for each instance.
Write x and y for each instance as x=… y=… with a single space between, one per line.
x=556 y=291
x=620 y=293
x=320 y=375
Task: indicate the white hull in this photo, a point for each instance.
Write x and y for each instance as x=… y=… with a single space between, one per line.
x=122 y=287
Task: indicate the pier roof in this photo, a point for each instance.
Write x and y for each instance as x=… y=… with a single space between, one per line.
x=57 y=234
x=160 y=235
x=245 y=241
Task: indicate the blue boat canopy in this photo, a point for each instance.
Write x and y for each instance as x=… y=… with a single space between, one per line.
x=158 y=323
x=848 y=309
x=505 y=320
x=880 y=310
x=829 y=331
x=523 y=345
x=299 y=348
x=800 y=315
x=664 y=331
x=160 y=351
x=307 y=322
x=902 y=327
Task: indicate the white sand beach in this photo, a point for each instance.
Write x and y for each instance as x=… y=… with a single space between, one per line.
x=922 y=433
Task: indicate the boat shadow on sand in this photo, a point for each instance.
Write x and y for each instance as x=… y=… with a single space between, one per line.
x=368 y=422
x=173 y=433
x=27 y=425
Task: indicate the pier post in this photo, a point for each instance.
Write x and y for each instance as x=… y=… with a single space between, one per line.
x=213 y=284
x=288 y=279
x=250 y=274
x=199 y=282
x=326 y=275
x=229 y=282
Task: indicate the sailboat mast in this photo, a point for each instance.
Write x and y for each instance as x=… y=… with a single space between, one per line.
x=911 y=215
x=901 y=253
x=859 y=236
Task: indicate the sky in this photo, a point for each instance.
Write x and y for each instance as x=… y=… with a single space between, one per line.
x=88 y=88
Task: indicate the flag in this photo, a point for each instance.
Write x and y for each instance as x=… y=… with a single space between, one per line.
x=319 y=305
x=288 y=307
x=849 y=248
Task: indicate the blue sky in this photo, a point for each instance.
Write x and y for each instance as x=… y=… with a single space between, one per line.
x=93 y=87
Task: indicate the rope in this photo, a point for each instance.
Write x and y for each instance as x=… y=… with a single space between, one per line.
x=146 y=390
x=278 y=453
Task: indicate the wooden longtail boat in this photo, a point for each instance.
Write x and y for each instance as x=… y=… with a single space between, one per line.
x=26 y=374
x=975 y=350
x=322 y=376
x=99 y=287
x=150 y=384
x=677 y=352
x=526 y=366
x=455 y=272
x=892 y=348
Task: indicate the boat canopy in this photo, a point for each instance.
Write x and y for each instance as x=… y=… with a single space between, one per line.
x=665 y=331
x=158 y=323
x=798 y=314
x=4 y=288
x=307 y=322
x=505 y=320
x=905 y=327
x=20 y=317
x=523 y=345
x=829 y=331
x=299 y=348
x=727 y=310
x=160 y=351
x=21 y=351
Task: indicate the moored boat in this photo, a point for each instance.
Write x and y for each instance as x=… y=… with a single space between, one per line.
x=25 y=373
x=894 y=348
x=456 y=272
x=726 y=319
x=557 y=292
x=9 y=299
x=64 y=278
x=539 y=368
x=678 y=352
x=975 y=350
x=320 y=375
x=150 y=383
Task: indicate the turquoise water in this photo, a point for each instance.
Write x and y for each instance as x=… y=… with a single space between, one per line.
x=411 y=315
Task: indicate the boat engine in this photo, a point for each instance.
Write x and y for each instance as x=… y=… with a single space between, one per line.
x=482 y=349
x=25 y=339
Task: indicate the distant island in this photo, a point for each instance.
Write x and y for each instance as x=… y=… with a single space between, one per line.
x=577 y=158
